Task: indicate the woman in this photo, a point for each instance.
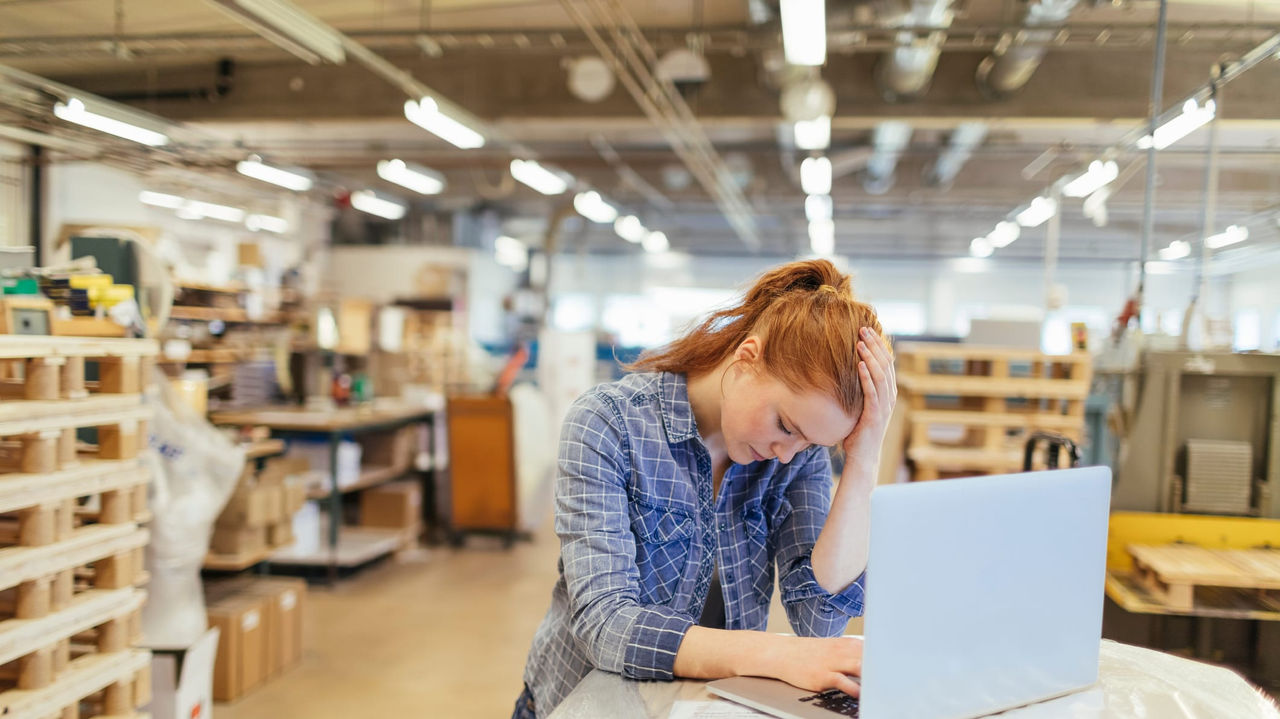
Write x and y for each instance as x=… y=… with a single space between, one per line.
x=679 y=486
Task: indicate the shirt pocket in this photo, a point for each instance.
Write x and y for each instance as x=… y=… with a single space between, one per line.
x=663 y=535
x=759 y=547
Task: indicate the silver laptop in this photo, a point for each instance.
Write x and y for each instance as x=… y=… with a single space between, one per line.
x=983 y=595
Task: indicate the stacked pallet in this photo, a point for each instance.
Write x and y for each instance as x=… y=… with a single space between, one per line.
x=71 y=541
x=971 y=409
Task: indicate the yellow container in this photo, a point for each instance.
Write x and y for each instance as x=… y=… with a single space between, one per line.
x=110 y=295
x=88 y=282
x=194 y=390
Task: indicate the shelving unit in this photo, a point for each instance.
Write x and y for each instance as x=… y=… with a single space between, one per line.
x=71 y=544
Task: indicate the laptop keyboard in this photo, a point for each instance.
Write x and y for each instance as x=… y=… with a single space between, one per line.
x=836 y=701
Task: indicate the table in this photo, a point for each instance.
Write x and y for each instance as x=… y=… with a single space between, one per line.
x=333 y=424
x=1133 y=682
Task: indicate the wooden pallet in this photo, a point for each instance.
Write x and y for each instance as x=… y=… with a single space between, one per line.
x=991 y=398
x=94 y=685
x=39 y=437
x=47 y=368
x=1172 y=572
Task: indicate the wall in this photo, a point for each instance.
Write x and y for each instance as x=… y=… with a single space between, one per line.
x=14 y=200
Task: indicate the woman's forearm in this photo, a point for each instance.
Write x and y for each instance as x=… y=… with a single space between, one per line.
x=840 y=554
x=717 y=653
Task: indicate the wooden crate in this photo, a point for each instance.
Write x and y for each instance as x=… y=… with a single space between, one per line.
x=1173 y=572
x=991 y=399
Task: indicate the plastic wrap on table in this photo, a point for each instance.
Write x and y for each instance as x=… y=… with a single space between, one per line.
x=1133 y=683
x=195 y=469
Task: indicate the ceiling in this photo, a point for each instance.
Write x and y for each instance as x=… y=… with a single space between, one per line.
x=505 y=62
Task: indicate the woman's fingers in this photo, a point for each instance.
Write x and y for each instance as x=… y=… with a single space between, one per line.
x=847 y=684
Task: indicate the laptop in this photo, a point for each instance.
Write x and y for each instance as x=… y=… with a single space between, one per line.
x=983 y=594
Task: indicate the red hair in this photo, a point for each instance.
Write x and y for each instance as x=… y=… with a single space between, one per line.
x=808 y=321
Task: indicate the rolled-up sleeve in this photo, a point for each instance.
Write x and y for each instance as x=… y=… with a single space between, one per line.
x=813 y=611
x=597 y=548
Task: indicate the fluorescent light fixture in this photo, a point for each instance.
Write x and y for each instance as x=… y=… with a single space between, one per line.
x=1176 y=250
x=278 y=225
x=804 y=31
x=510 y=252
x=426 y=114
x=813 y=134
x=1093 y=179
x=815 y=176
x=1154 y=267
x=73 y=110
x=1193 y=116
x=160 y=199
x=1004 y=234
x=818 y=207
x=421 y=180
x=197 y=210
x=822 y=237
x=593 y=207
x=548 y=182
x=1040 y=210
x=980 y=247
x=630 y=228
x=369 y=201
x=292 y=179
x=1229 y=236
x=289 y=27
x=655 y=242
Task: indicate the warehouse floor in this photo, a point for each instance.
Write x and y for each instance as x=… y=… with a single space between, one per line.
x=442 y=635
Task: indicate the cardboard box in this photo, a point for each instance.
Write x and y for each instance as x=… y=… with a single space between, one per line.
x=295 y=495
x=242 y=652
x=280 y=534
x=249 y=506
x=285 y=602
x=389 y=449
x=278 y=469
x=182 y=679
x=238 y=540
x=396 y=506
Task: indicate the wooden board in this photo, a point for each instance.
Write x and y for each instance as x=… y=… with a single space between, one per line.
x=948 y=350
x=1130 y=594
x=95 y=607
x=1041 y=420
x=265 y=448
x=356 y=546
x=1189 y=564
x=369 y=477
x=978 y=386
x=86 y=546
x=92 y=476
x=84 y=676
x=22 y=346
x=17 y=414
x=301 y=419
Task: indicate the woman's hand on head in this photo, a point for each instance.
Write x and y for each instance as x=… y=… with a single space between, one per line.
x=879 y=395
x=818 y=664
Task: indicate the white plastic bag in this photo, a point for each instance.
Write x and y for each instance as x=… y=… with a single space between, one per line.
x=194 y=470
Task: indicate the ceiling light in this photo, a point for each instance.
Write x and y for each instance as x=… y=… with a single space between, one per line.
x=1004 y=233
x=1095 y=178
x=197 y=210
x=297 y=180
x=160 y=199
x=655 y=242
x=548 y=182
x=510 y=252
x=278 y=225
x=1176 y=250
x=1095 y=206
x=813 y=134
x=421 y=180
x=1192 y=117
x=1040 y=209
x=980 y=247
x=815 y=176
x=427 y=115
x=593 y=207
x=818 y=207
x=630 y=228
x=822 y=237
x=804 y=31
x=369 y=201
x=73 y=110
x=1229 y=236
x=289 y=27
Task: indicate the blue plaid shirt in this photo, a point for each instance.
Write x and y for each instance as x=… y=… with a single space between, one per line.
x=640 y=534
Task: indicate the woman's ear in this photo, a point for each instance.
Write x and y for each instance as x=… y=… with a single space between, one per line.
x=749 y=350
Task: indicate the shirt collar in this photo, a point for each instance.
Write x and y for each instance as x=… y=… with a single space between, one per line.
x=677 y=412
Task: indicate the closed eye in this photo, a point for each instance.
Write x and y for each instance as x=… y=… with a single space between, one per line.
x=783 y=427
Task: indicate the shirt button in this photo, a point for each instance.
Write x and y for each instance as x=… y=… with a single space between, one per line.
x=724 y=526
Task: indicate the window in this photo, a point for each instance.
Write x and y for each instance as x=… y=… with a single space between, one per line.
x=1246 y=330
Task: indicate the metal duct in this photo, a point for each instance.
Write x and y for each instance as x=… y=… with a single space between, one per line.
x=1010 y=66
x=890 y=140
x=904 y=72
x=964 y=139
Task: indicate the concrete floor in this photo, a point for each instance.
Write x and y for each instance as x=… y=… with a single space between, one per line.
x=443 y=635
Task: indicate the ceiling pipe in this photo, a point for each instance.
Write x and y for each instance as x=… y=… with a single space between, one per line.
x=890 y=139
x=904 y=73
x=1010 y=66
x=964 y=140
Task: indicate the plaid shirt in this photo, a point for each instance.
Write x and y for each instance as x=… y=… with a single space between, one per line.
x=640 y=534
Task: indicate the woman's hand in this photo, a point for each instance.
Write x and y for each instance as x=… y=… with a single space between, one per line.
x=879 y=395
x=818 y=664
